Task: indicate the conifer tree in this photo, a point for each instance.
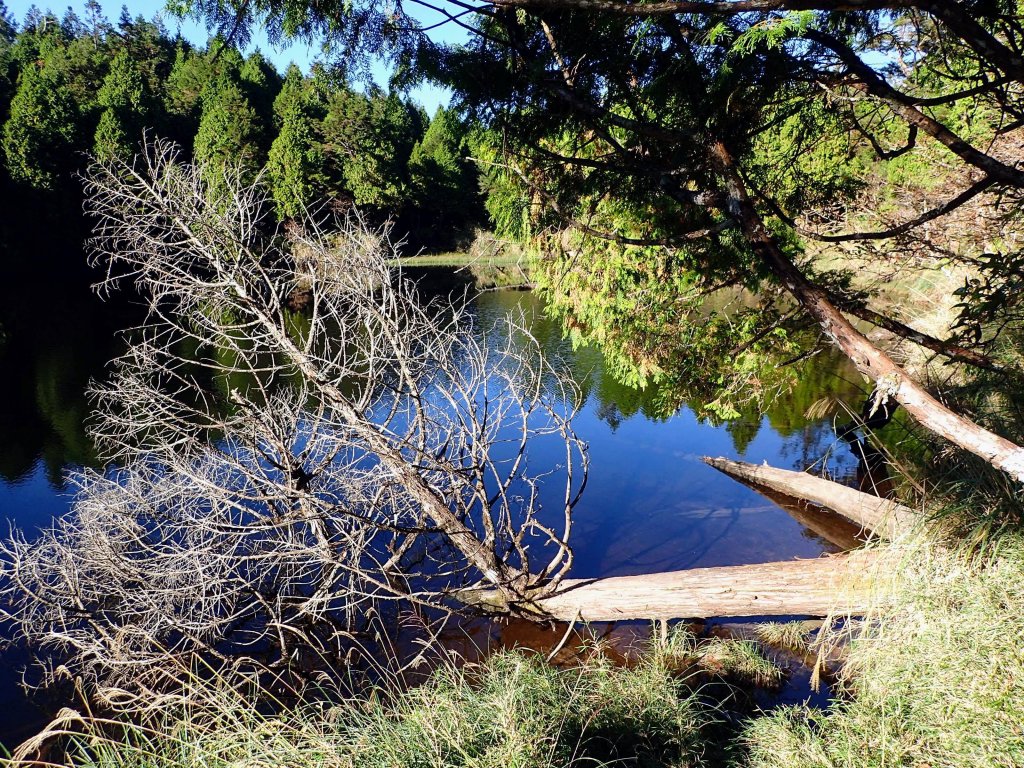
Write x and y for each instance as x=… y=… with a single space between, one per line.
x=8 y=29
x=40 y=133
x=126 y=108
x=445 y=189
x=228 y=128
x=261 y=85
x=368 y=139
x=296 y=158
x=182 y=94
x=7 y=74
x=96 y=23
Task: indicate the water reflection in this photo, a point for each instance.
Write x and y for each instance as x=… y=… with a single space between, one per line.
x=42 y=403
x=58 y=336
x=651 y=504
x=646 y=474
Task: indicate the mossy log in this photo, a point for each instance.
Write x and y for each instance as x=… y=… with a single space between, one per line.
x=817 y=587
x=884 y=517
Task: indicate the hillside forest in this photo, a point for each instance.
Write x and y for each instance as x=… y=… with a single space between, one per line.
x=73 y=87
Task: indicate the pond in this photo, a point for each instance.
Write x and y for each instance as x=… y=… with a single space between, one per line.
x=651 y=504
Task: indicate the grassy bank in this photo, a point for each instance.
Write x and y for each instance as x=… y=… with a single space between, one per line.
x=512 y=710
x=935 y=678
x=489 y=261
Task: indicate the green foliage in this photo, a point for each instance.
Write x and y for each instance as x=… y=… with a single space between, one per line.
x=295 y=161
x=769 y=32
x=509 y=203
x=229 y=129
x=151 y=52
x=8 y=28
x=73 y=87
x=8 y=74
x=188 y=76
x=123 y=88
x=112 y=137
x=83 y=63
x=445 y=191
x=441 y=179
x=261 y=84
x=660 y=322
x=126 y=108
x=41 y=131
x=810 y=160
x=368 y=139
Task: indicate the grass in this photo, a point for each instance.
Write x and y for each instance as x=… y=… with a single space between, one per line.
x=935 y=678
x=740 y=661
x=458 y=259
x=492 y=263
x=511 y=710
x=788 y=635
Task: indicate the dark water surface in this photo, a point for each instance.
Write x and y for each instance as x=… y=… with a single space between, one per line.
x=650 y=505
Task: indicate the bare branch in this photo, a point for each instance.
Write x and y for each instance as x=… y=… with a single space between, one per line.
x=281 y=474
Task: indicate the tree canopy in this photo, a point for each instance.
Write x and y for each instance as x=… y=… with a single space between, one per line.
x=700 y=139
x=72 y=87
x=654 y=152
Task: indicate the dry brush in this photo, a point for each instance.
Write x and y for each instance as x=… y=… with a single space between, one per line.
x=277 y=476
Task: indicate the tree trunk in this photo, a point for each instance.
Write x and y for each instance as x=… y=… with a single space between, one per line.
x=889 y=378
x=947 y=349
x=839 y=583
x=881 y=516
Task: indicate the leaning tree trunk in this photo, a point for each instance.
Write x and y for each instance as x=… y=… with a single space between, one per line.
x=889 y=378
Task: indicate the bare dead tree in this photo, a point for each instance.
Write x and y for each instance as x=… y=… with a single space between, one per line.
x=280 y=474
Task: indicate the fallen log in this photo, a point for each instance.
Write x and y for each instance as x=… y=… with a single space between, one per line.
x=838 y=583
x=828 y=525
x=884 y=517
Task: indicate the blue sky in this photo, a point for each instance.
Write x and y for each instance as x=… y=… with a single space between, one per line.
x=299 y=53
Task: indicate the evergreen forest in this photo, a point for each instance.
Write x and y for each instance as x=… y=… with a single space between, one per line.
x=734 y=476
x=74 y=87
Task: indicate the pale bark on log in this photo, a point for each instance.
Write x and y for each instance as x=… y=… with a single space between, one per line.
x=818 y=587
x=883 y=517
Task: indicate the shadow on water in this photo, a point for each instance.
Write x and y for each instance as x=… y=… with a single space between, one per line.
x=651 y=504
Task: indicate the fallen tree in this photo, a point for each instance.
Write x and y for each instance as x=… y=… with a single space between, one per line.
x=836 y=584
x=883 y=517
x=284 y=477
